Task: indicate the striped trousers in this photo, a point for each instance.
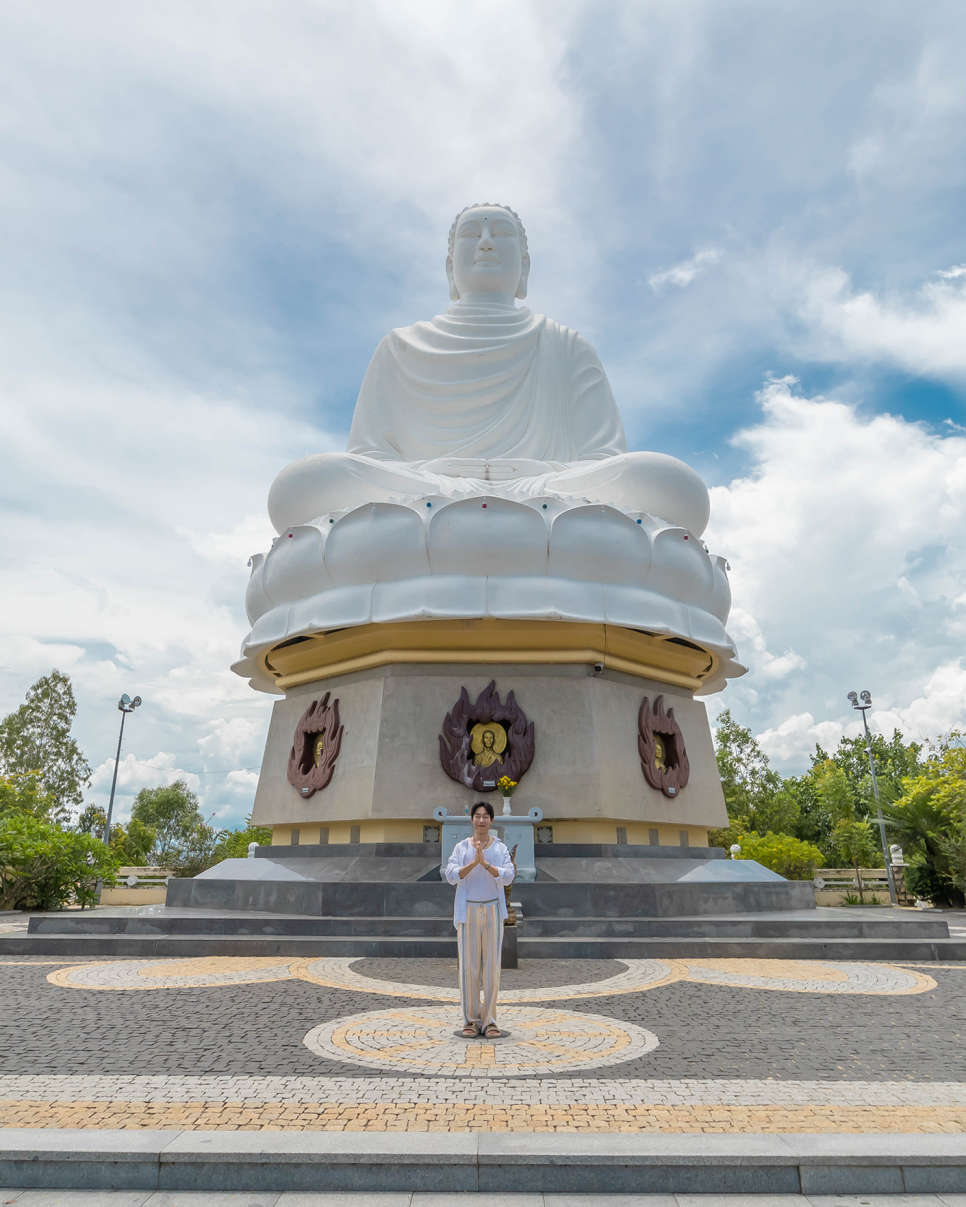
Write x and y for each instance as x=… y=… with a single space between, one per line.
x=480 y=941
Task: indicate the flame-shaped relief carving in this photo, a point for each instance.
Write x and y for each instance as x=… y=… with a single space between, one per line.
x=318 y=739
x=476 y=760
x=664 y=759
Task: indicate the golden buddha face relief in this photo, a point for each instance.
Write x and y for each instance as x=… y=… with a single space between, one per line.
x=481 y=742
x=488 y=742
x=315 y=747
x=664 y=758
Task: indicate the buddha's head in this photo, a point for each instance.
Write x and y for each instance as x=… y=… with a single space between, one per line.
x=487 y=253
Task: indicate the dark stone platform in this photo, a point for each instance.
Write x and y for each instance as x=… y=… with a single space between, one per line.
x=588 y=902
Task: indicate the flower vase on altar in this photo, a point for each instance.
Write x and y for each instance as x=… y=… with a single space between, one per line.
x=507 y=787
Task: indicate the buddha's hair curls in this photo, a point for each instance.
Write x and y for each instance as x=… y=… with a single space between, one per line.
x=492 y=205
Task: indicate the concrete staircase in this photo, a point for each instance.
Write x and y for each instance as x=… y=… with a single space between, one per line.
x=823 y=934
x=588 y=902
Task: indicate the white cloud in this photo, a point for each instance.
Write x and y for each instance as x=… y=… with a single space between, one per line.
x=768 y=666
x=796 y=738
x=924 y=333
x=941 y=707
x=845 y=540
x=684 y=273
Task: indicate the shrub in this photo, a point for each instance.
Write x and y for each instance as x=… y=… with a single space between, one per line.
x=789 y=857
x=44 y=867
x=233 y=844
x=923 y=881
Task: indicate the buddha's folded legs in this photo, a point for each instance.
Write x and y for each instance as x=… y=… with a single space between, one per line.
x=648 y=482
x=326 y=482
x=651 y=482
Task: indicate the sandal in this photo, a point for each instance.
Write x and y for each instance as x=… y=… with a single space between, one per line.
x=492 y=1032
x=470 y=1032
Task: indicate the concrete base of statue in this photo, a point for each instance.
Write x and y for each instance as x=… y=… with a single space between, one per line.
x=586 y=776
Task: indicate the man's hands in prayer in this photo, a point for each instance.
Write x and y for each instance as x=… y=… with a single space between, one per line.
x=477 y=860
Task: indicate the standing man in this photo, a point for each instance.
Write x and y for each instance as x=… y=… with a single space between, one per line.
x=480 y=867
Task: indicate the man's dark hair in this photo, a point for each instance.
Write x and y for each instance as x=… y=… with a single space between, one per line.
x=482 y=804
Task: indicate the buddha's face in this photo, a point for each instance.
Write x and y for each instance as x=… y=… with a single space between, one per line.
x=487 y=255
x=487 y=739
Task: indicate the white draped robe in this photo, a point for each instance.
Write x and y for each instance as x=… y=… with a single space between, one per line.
x=484 y=383
x=487 y=400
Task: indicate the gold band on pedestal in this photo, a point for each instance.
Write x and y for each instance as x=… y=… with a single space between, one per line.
x=488 y=640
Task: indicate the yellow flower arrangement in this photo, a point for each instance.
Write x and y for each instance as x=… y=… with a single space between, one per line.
x=506 y=785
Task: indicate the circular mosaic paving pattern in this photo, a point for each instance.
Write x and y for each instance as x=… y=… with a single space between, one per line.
x=791 y=976
x=809 y=976
x=203 y=971
x=423 y=1040
x=337 y=972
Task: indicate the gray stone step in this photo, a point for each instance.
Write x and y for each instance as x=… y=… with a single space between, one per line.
x=241 y=924
x=494 y=1163
x=802 y=926
x=816 y=948
x=80 y=946
x=539 y=899
x=287 y=947
x=747 y=927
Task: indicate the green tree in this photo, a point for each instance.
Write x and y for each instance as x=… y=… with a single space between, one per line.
x=894 y=761
x=784 y=854
x=36 y=738
x=23 y=794
x=135 y=843
x=953 y=847
x=44 y=867
x=813 y=824
x=132 y=844
x=754 y=793
x=834 y=791
x=91 y=820
x=233 y=844
x=927 y=820
x=172 y=813
x=855 y=843
x=198 y=853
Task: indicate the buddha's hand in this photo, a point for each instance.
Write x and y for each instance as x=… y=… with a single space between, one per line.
x=488 y=470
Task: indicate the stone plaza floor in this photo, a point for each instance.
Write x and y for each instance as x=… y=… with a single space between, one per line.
x=703 y=1045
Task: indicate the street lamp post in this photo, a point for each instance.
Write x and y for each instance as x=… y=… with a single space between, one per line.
x=863 y=708
x=125 y=705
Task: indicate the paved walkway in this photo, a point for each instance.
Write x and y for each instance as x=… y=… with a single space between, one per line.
x=715 y=1046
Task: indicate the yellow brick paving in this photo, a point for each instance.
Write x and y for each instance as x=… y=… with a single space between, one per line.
x=418 y=1117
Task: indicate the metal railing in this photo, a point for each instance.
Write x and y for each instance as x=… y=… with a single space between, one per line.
x=143 y=877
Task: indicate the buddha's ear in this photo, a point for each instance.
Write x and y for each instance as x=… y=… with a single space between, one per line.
x=524 y=277
x=454 y=293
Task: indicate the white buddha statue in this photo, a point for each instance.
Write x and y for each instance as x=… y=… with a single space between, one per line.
x=488 y=399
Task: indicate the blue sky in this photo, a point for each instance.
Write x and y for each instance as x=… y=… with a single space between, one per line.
x=213 y=211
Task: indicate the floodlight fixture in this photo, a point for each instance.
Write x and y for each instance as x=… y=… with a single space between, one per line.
x=863 y=708
x=124 y=706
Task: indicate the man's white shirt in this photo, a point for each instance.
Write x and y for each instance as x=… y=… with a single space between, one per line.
x=479 y=885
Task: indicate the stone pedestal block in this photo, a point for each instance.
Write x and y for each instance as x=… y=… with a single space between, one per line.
x=586 y=775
